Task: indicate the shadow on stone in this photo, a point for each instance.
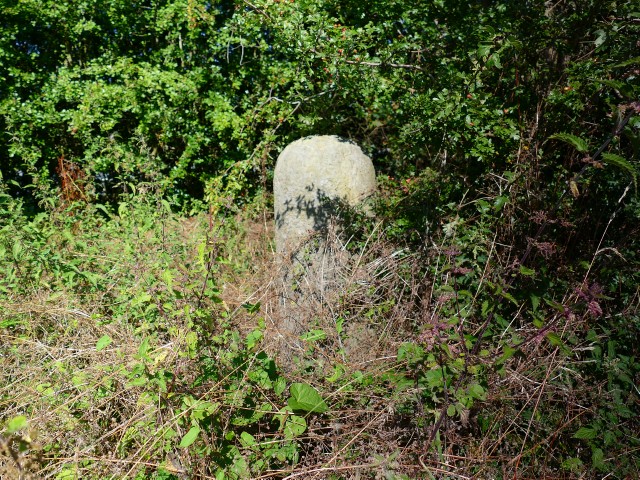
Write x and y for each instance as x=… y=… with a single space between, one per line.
x=317 y=182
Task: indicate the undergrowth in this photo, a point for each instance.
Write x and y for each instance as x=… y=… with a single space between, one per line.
x=141 y=343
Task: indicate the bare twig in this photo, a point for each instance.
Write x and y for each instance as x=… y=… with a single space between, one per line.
x=384 y=64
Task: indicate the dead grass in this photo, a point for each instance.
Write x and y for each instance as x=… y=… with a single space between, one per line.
x=84 y=406
x=52 y=376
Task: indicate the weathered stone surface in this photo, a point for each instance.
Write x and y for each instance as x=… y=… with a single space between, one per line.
x=310 y=174
x=314 y=176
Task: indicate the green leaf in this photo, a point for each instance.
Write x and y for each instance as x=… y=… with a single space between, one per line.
x=535 y=301
x=16 y=423
x=572 y=464
x=476 y=391
x=103 y=342
x=305 y=397
x=144 y=297
x=314 y=335
x=585 y=433
x=577 y=142
x=484 y=48
x=621 y=162
x=169 y=433
x=17 y=249
x=527 y=272
x=339 y=325
x=338 y=371
x=483 y=206
x=500 y=202
x=191 y=340
x=626 y=63
x=621 y=87
x=410 y=353
x=251 y=307
x=484 y=309
x=509 y=297
x=189 y=437
x=294 y=426
x=279 y=385
x=494 y=60
x=247 y=440
x=508 y=352
x=556 y=341
x=597 y=459
x=254 y=339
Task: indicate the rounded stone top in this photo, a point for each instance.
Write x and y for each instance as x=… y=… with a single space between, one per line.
x=309 y=174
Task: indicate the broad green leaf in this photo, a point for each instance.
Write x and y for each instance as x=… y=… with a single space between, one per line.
x=339 y=325
x=169 y=433
x=625 y=89
x=251 y=307
x=500 y=202
x=103 y=342
x=144 y=297
x=476 y=391
x=494 y=60
x=410 y=353
x=338 y=371
x=305 y=397
x=247 y=440
x=166 y=205
x=248 y=417
x=508 y=352
x=485 y=309
x=484 y=48
x=189 y=437
x=240 y=467
x=597 y=459
x=509 y=297
x=556 y=341
x=483 y=206
x=535 y=301
x=585 y=433
x=122 y=209
x=202 y=408
x=572 y=464
x=16 y=423
x=191 y=340
x=577 y=142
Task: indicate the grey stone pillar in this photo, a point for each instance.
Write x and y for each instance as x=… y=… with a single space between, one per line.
x=312 y=177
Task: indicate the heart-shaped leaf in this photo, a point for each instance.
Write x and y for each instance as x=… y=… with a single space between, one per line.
x=305 y=397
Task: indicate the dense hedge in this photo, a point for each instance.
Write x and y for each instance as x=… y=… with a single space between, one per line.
x=186 y=91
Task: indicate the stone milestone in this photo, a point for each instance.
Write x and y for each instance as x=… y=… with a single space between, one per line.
x=311 y=175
